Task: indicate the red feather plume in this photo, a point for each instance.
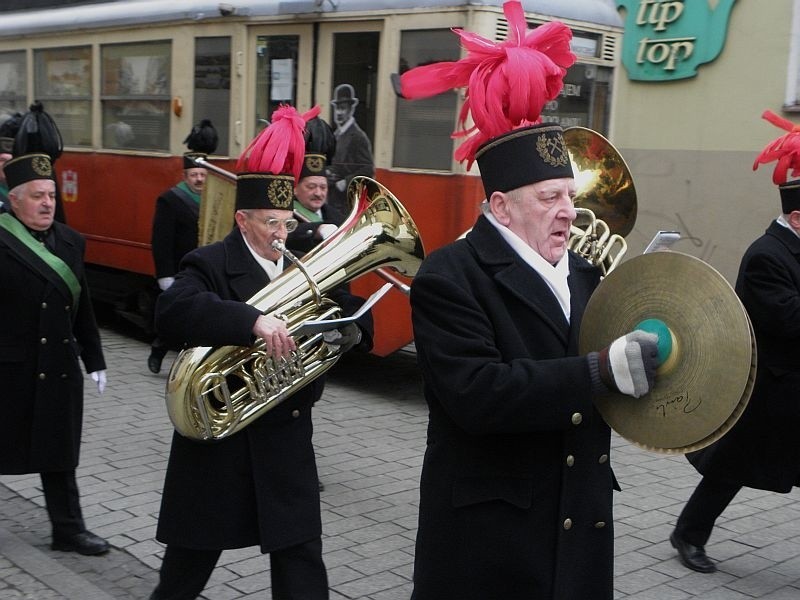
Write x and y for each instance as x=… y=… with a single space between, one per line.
x=508 y=84
x=785 y=149
x=281 y=146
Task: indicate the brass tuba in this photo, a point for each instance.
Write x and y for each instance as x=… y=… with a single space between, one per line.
x=214 y=392
x=605 y=201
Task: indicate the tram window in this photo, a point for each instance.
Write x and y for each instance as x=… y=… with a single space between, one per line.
x=63 y=83
x=585 y=99
x=212 y=85
x=423 y=127
x=276 y=75
x=135 y=95
x=13 y=83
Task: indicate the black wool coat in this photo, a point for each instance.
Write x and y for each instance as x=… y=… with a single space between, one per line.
x=175 y=231
x=43 y=338
x=259 y=486
x=762 y=450
x=516 y=488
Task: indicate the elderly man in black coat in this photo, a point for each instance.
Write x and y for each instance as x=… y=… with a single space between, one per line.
x=258 y=486
x=49 y=328
x=175 y=221
x=761 y=450
x=516 y=488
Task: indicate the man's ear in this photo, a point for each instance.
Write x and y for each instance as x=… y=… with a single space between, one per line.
x=499 y=205
x=794 y=220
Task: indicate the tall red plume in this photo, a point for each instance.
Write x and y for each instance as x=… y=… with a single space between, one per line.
x=281 y=146
x=785 y=149
x=508 y=84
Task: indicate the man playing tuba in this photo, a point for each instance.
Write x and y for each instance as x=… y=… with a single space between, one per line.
x=258 y=486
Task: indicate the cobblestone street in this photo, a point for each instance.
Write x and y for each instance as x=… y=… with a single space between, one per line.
x=370 y=438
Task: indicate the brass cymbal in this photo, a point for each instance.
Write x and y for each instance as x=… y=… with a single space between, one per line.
x=604 y=182
x=704 y=385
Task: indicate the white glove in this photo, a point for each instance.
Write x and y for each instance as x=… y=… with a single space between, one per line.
x=99 y=377
x=345 y=337
x=341 y=185
x=165 y=282
x=629 y=364
x=326 y=229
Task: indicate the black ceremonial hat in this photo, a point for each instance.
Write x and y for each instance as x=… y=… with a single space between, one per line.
x=8 y=131
x=523 y=156
x=28 y=167
x=271 y=163
x=201 y=141
x=790 y=196
x=320 y=147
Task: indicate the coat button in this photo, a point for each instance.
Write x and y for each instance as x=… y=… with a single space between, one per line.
x=42 y=376
x=43 y=340
x=577 y=418
x=599 y=524
x=603 y=459
x=44 y=304
x=65 y=341
x=66 y=307
x=295 y=413
x=567 y=524
x=570 y=460
x=63 y=376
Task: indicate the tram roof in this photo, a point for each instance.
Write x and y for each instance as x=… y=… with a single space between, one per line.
x=132 y=12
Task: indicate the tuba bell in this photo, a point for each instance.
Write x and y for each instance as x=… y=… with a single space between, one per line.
x=605 y=200
x=213 y=393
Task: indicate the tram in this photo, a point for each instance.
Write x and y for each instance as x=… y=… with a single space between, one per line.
x=125 y=81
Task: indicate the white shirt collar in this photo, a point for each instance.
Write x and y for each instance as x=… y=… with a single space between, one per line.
x=781 y=220
x=273 y=269
x=344 y=126
x=555 y=275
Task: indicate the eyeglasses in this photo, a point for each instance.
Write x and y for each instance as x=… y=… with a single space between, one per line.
x=275 y=224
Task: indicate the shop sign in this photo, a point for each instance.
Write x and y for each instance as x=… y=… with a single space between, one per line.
x=668 y=40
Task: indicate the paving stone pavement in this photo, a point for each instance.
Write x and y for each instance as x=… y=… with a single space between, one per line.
x=370 y=437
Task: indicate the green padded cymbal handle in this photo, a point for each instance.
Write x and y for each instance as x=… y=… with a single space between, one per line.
x=660 y=328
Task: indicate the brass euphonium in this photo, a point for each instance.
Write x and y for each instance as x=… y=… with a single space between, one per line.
x=605 y=200
x=214 y=392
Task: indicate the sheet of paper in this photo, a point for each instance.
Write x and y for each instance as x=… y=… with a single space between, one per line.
x=663 y=240
x=312 y=327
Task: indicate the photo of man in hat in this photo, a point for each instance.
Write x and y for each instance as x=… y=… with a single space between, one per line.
x=353 y=154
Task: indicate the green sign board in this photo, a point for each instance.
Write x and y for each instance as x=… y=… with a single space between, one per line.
x=668 y=40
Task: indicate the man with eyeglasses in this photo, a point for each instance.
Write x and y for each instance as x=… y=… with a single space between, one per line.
x=258 y=486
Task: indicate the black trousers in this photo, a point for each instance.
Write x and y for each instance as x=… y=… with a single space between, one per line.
x=297 y=573
x=63 y=502
x=706 y=504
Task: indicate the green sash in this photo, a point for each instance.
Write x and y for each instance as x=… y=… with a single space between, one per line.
x=309 y=215
x=61 y=268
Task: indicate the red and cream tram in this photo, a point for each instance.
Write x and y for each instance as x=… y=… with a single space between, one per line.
x=125 y=81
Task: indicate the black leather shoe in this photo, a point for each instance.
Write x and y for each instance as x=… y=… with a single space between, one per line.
x=692 y=557
x=85 y=543
x=154 y=363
